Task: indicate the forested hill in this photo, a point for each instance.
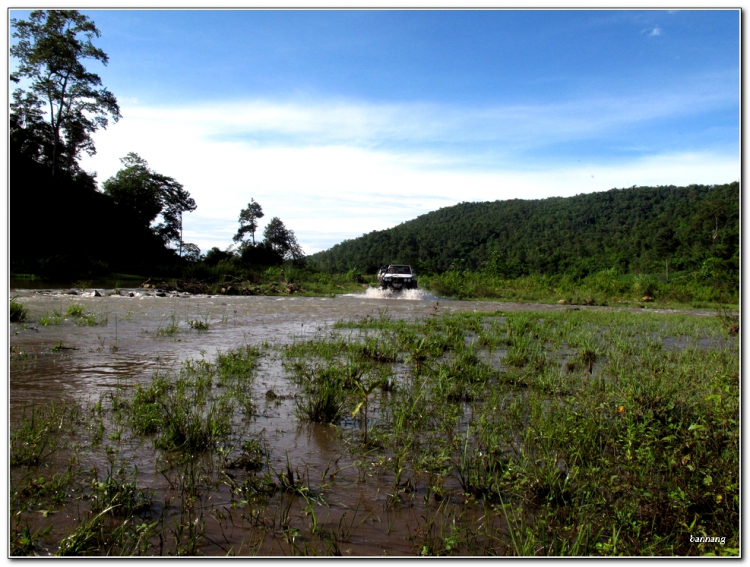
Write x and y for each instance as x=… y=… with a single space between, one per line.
x=634 y=230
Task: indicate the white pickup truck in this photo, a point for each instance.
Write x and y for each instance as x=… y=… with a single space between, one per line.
x=397 y=277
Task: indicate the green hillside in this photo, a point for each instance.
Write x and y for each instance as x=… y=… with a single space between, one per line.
x=635 y=230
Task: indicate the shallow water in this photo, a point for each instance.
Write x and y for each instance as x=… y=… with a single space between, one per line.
x=140 y=335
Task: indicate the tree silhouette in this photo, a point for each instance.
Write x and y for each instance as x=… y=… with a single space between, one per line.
x=248 y=221
x=147 y=194
x=51 y=48
x=282 y=240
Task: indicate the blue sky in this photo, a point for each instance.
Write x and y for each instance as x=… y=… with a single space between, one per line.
x=344 y=122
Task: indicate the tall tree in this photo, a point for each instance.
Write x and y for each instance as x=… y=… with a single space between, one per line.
x=282 y=240
x=51 y=48
x=147 y=194
x=192 y=253
x=248 y=221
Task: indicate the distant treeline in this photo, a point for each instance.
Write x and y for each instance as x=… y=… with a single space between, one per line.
x=635 y=230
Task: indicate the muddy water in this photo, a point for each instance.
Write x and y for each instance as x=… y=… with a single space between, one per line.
x=134 y=339
x=139 y=335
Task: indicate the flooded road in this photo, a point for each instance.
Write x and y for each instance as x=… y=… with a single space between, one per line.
x=125 y=337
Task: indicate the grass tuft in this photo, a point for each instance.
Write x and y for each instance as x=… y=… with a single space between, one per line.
x=18 y=312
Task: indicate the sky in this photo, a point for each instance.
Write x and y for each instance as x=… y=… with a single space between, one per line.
x=341 y=122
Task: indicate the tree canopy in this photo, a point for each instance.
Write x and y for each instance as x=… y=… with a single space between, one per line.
x=282 y=240
x=65 y=102
x=147 y=194
x=633 y=230
x=248 y=221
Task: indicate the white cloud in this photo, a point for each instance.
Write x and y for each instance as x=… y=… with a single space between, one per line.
x=655 y=31
x=340 y=187
x=326 y=122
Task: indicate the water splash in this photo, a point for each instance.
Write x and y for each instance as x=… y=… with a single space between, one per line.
x=405 y=294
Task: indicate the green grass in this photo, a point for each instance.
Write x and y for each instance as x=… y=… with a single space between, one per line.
x=191 y=411
x=549 y=434
x=40 y=433
x=118 y=495
x=168 y=327
x=607 y=287
x=588 y=417
x=78 y=313
x=323 y=402
x=18 y=312
x=55 y=319
x=75 y=311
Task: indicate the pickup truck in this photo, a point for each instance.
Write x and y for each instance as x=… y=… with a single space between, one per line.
x=397 y=277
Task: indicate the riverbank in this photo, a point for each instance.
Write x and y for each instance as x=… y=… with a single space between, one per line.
x=680 y=291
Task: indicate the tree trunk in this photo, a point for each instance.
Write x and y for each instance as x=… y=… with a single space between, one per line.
x=180 y=234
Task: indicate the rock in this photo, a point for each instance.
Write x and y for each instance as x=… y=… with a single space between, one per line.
x=271 y=395
x=71 y=292
x=96 y=293
x=647 y=298
x=160 y=294
x=131 y=294
x=562 y=302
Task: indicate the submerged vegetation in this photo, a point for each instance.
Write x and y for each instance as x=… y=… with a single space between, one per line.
x=18 y=312
x=562 y=433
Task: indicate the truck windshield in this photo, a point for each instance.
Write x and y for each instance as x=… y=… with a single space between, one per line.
x=402 y=269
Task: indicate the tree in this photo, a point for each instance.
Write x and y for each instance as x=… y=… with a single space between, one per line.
x=664 y=242
x=282 y=240
x=248 y=221
x=262 y=254
x=147 y=194
x=30 y=135
x=50 y=53
x=215 y=255
x=192 y=253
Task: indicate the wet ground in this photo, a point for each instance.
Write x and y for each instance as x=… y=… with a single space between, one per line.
x=134 y=336
x=133 y=333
